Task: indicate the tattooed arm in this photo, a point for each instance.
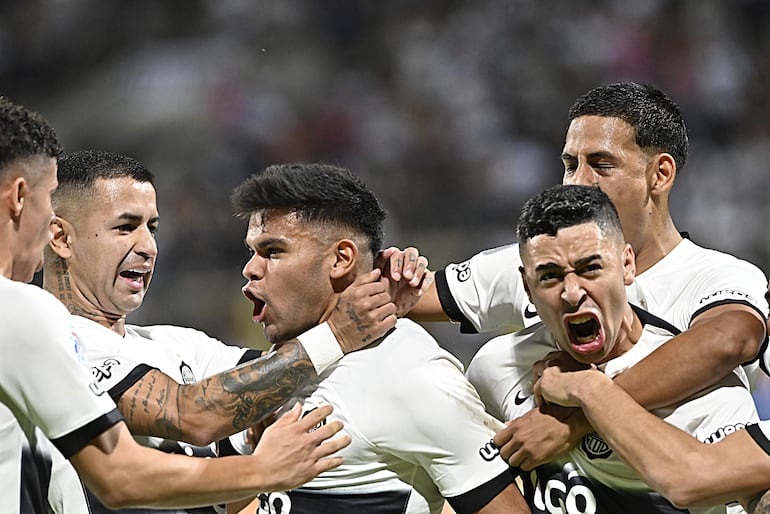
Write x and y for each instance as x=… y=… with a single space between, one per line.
x=218 y=406
x=234 y=400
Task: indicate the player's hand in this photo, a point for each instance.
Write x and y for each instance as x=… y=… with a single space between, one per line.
x=408 y=274
x=559 y=359
x=558 y=386
x=540 y=435
x=364 y=312
x=290 y=454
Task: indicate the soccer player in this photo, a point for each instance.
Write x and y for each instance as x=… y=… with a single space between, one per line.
x=419 y=430
x=48 y=400
x=631 y=141
x=575 y=266
x=686 y=471
x=174 y=385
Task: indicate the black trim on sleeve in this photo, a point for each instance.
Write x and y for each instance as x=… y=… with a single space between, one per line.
x=759 y=437
x=129 y=380
x=250 y=355
x=73 y=442
x=475 y=499
x=762 y=347
x=449 y=304
x=647 y=318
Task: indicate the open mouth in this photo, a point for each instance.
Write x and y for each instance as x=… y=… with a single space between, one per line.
x=585 y=333
x=258 y=314
x=135 y=278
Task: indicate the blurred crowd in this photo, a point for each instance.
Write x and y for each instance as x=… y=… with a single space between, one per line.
x=453 y=112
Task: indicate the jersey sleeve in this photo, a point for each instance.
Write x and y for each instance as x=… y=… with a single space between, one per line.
x=43 y=376
x=212 y=356
x=760 y=432
x=737 y=282
x=449 y=434
x=485 y=293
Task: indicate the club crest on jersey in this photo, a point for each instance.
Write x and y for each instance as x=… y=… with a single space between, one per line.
x=594 y=447
x=463 y=271
x=188 y=377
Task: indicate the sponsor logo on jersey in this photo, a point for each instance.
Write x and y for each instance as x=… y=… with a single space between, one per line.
x=463 y=271
x=723 y=432
x=104 y=370
x=530 y=311
x=730 y=293
x=100 y=373
x=519 y=399
x=489 y=451
x=594 y=447
x=188 y=377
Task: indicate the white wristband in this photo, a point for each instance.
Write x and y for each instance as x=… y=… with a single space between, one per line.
x=321 y=346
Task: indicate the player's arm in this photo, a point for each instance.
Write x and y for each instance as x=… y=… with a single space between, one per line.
x=672 y=462
x=236 y=399
x=124 y=474
x=718 y=340
x=428 y=307
x=483 y=293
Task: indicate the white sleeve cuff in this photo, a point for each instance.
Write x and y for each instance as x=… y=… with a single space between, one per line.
x=321 y=346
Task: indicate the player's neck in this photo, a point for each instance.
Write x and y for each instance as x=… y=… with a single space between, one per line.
x=661 y=241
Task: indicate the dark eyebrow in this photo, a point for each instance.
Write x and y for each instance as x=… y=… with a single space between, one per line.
x=579 y=263
x=591 y=156
x=266 y=242
x=127 y=216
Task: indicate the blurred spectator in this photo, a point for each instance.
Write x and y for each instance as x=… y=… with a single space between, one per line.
x=453 y=112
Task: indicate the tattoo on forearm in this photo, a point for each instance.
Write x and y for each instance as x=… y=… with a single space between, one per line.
x=256 y=390
x=226 y=403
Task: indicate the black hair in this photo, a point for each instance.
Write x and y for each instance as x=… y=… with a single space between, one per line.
x=81 y=169
x=24 y=133
x=655 y=118
x=316 y=193
x=565 y=206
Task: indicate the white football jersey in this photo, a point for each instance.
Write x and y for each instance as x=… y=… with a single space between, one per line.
x=419 y=433
x=117 y=363
x=485 y=293
x=48 y=398
x=591 y=473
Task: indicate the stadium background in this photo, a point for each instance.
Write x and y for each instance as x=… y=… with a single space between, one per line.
x=453 y=112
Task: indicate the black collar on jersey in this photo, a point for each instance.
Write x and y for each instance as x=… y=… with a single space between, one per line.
x=648 y=318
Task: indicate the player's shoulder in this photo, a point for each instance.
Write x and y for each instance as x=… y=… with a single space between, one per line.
x=168 y=333
x=699 y=256
x=29 y=305
x=515 y=346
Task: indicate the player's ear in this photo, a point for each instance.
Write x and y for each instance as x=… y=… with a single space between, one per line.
x=61 y=242
x=629 y=265
x=664 y=174
x=345 y=258
x=15 y=195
